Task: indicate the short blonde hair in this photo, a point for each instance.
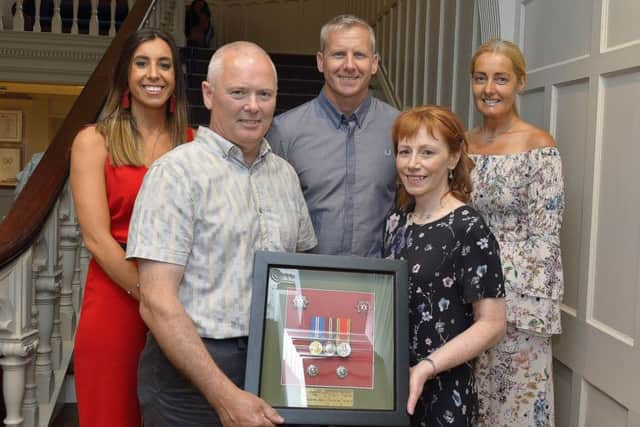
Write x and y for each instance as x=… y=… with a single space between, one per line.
x=346 y=22
x=509 y=50
x=215 y=63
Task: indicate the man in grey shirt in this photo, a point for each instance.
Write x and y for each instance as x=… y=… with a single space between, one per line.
x=203 y=210
x=340 y=144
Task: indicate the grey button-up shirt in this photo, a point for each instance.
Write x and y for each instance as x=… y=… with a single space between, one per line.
x=202 y=207
x=346 y=168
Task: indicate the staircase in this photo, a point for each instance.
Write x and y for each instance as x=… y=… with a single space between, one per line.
x=298 y=81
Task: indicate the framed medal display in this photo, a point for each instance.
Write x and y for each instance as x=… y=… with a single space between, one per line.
x=328 y=339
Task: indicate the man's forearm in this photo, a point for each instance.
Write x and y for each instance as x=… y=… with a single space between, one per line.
x=177 y=336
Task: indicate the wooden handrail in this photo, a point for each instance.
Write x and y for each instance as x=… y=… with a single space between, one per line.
x=32 y=207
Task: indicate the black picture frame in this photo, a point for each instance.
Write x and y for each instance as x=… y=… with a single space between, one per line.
x=330 y=281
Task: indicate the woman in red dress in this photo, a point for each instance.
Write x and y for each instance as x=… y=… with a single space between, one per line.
x=144 y=117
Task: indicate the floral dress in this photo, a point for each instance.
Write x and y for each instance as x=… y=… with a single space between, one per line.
x=521 y=197
x=453 y=262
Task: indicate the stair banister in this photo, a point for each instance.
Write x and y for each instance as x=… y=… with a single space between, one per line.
x=42 y=262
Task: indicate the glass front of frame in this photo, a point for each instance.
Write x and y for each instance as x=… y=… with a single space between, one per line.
x=329 y=339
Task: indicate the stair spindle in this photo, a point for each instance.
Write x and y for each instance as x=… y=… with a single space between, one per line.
x=36 y=19
x=93 y=22
x=56 y=19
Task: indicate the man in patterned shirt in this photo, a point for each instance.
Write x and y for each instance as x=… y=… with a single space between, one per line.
x=203 y=210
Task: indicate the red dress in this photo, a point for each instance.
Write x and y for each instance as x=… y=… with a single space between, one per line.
x=111 y=333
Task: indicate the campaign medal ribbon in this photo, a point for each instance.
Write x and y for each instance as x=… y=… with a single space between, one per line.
x=343 y=329
x=317 y=330
x=330 y=346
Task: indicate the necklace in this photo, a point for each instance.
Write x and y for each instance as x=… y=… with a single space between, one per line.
x=423 y=217
x=153 y=149
x=490 y=138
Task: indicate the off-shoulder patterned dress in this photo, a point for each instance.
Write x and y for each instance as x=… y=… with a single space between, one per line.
x=521 y=198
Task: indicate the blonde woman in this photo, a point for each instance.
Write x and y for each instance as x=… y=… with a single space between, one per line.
x=518 y=188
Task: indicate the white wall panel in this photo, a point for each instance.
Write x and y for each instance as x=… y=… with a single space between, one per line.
x=569 y=126
x=602 y=410
x=562 y=384
x=621 y=22
x=419 y=64
x=409 y=53
x=618 y=229
x=532 y=107
x=431 y=57
x=555 y=31
x=445 y=51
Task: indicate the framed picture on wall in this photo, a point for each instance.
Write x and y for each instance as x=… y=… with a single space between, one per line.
x=328 y=338
x=10 y=125
x=10 y=164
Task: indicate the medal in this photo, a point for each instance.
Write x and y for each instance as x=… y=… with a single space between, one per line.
x=330 y=346
x=362 y=307
x=330 y=349
x=312 y=370
x=315 y=348
x=300 y=302
x=343 y=349
x=343 y=328
x=342 y=372
x=317 y=328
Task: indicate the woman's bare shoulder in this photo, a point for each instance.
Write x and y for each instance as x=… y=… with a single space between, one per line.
x=89 y=138
x=538 y=138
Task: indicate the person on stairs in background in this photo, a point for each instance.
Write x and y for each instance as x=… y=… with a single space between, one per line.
x=198 y=25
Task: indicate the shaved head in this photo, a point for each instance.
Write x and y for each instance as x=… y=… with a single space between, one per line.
x=240 y=48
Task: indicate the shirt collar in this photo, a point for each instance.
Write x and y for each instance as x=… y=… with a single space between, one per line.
x=228 y=148
x=337 y=118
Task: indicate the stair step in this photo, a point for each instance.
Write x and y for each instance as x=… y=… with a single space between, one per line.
x=67 y=417
x=299 y=81
x=293 y=59
x=303 y=72
x=298 y=72
x=285 y=85
x=299 y=86
x=199 y=115
x=203 y=54
x=197 y=66
x=194 y=97
x=187 y=53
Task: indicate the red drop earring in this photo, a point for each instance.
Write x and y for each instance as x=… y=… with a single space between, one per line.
x=125 y=101
x=172 y=104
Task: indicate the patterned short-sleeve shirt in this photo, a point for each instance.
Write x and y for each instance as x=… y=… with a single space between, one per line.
x=202 y=207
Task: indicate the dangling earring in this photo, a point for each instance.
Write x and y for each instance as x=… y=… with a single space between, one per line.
x=450 y=174
x=125 y=101
x=172 y=104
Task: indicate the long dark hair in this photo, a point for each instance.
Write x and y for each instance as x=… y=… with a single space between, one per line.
x=117 y=124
